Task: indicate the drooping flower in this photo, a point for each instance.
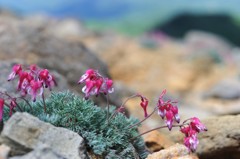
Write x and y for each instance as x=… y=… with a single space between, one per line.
x=174 y=109
x=47 y=79
x=107 y=86
x=166 y=109
x=95 y=83
x=90 y=73
x=36 y=88
x=191 y=142
x=88 y=89
x=17 y=68
x=32 y=80
x=197 y=125
x=13 y=104
x=190 y=131
x=1 y=108
x=22 y=76
x=144 y=105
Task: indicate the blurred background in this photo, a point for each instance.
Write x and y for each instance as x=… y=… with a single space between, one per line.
x=190 y=48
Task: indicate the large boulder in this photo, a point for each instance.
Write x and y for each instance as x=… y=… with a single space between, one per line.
x=43 y=153
x=35 y=41
x=24 y=133
x=222 y=139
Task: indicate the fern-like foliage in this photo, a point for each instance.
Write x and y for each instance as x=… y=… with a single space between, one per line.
x=110 y=140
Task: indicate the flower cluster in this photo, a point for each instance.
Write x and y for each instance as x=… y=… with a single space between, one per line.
x=9 y=101
x=32 y=81
x=191 y=130
x=168 y=110
x=95 y=83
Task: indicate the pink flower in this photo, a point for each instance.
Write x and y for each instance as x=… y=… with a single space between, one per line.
x=191 y=142
x=174 y=109
x=191 y=130
x=107 y=86
x=36 y=88
x=32 y=80
x=48 y=80
x=13 y=104
x=1 y=108
x=88 y=89
x=95 y=83
x=169 y=119
x=24 y=82
x=17 y=68
x=33 y=68
x=90 y=73
x=144 y=105
x=197 y=125
x=22 y=76
x=166 y=109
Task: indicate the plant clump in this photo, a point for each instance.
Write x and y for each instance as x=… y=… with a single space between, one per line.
x=107 y=131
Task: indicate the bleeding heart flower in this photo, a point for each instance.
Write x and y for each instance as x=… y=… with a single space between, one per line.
x=35 y=89
x=95 y=83
x=13 y=104
x=17 y=68
x=191 y=143
x=169 y=119
x=144 y=105
x=197 y=125
x=90 y=73
x=47 y=79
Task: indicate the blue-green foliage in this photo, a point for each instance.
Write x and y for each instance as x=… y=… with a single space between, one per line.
x=82 y=116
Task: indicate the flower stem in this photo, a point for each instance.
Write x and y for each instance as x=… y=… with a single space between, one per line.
x=155 y=129
x=107 y=109
x=143 y=119
x=10 y=97
x=44 y=103
x=27 y=103
x=122 y=105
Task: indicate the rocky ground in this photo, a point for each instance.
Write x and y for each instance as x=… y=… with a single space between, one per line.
x=201 y=71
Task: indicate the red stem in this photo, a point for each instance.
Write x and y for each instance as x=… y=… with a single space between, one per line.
x=122 y=105
x=44 y=104
x=107 y=109
x=155 y=129
x=143 y=119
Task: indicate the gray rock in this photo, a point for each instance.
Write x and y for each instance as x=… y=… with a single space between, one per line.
x=222 y=139
x=22 y=38
x=227 y=89
x=43 y=153
x=4 y=151
x=36 y=45
x=25 y=132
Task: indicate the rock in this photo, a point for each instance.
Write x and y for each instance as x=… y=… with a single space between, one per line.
x=174 y=151
x=4 y=151
x=38 y=43
x=222 y=139
x=43 y=153
x=20 y=40
x=227 y=89
x=68 y=29
x=186 y=157
x=156 y=141
x=24 y=133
